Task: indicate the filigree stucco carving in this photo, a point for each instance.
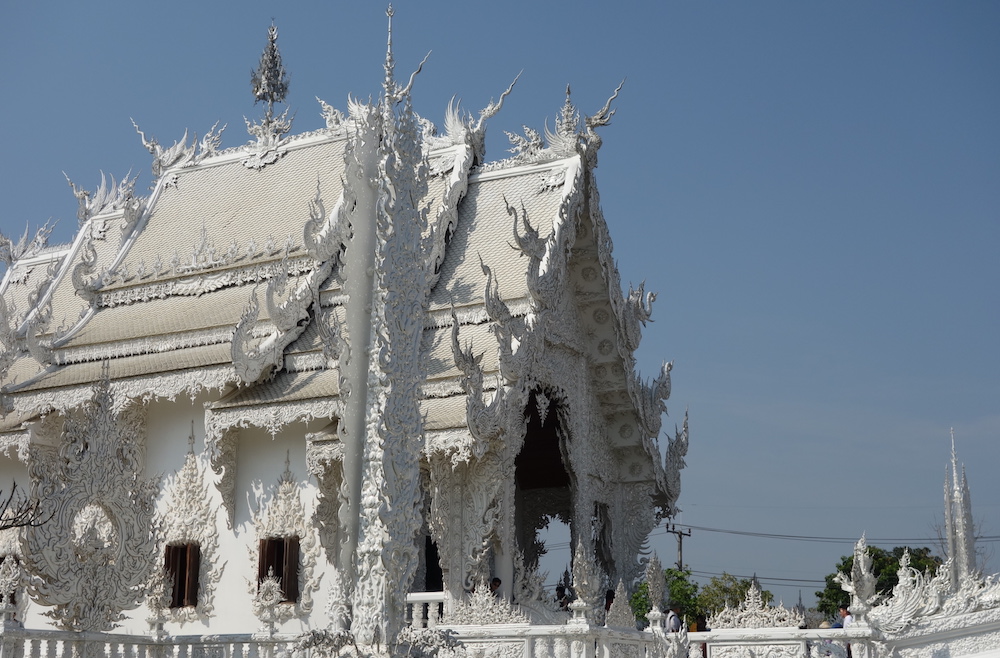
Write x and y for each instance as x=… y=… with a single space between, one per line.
x=181 y=154
x=10 y=578
x=325 y=461
x=754 y=612
x=93 y=559
x=270 y=85
x=482 y=607
x=655 y=582
x=861 y=582
x=532 y=598
x=755 y=650
x=620 y=615
x=190 y=276
x=484 y=420
x=221 y=444
x=188 y=518
x=289 y=299
x=390 y=494
x=565 y=139
x=168 y=386
x=470 y=138
x=269 y=147
x=282 y=514
x=959 y=529
x=922 y=603
x=472 y=493
x=585 y=580
x=25 y=247
x=108 y=198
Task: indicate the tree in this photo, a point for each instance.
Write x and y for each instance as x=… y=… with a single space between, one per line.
x=679 y=589
x=727 y=590
x=885 y=564
x=19 y=511
x=640 y=604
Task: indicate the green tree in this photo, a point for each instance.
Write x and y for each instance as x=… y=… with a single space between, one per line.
x=640 y=604
x=683 y=592
x=679 y=589
x=727 y=590
x=885 y=564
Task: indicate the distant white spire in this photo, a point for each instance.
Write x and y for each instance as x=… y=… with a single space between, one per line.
x=959 y=528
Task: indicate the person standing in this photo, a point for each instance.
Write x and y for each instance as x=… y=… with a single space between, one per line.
x=846 y=619
x=674 y=618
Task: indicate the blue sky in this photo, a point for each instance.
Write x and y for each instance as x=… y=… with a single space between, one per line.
x=812 y=189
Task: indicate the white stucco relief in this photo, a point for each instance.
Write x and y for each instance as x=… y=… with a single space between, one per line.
x=189 y=517
x=93 y=559
x=279 y=512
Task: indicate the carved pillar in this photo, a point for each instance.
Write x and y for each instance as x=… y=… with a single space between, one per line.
x=358 y=275
x=447 y=524
x=390 y=500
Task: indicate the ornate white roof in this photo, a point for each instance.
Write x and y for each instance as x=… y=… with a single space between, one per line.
x=230 y=275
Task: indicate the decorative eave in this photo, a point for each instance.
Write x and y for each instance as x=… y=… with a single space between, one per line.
x=160 y=385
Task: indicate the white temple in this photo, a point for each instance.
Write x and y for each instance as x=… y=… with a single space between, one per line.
x=309 y=376
x=313 y=393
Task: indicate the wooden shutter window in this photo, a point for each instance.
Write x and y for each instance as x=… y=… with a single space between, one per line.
x=182 y=564
x=193 y=567
x=280 y=556
x=290 y=569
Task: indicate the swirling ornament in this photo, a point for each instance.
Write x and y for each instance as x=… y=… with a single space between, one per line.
x=95 y=556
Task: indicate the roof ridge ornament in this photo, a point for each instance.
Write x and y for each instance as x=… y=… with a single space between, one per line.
x=269 y=84
x=565 y=139
x=393 y=92
x=11 y=252
x=460 y=128
x=270 y=81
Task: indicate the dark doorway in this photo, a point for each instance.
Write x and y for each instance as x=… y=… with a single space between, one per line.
x=433 y=576
x=542 y=481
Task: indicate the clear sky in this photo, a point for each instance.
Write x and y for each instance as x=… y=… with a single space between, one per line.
x=812 y=188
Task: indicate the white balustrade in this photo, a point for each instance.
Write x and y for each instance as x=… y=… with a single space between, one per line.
x=424 y=609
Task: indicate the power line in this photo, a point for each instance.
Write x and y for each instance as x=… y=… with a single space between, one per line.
x=897 y=541
x=829 y=540
x=766 y=580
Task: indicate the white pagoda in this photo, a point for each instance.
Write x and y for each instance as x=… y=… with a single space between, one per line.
x=310 y=376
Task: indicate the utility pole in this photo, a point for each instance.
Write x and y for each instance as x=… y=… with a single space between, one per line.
x=681 y=534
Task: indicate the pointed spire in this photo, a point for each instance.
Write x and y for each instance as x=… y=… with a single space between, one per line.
x=270 y=81
x=389 y=86
x=959 y=527
x=393 y=92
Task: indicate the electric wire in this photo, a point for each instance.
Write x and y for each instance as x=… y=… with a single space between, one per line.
x=769 y=580
x=829 y=540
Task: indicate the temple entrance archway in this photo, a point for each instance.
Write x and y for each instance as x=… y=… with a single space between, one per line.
x=542 y=479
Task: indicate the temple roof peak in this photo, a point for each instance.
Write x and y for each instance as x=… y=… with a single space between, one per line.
x=270 y=81
x=392 y=91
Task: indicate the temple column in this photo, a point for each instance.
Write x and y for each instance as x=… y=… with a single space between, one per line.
x=358 y=275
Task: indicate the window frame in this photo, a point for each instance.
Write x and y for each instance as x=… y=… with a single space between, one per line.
x=182 y=564
x=280 y=555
